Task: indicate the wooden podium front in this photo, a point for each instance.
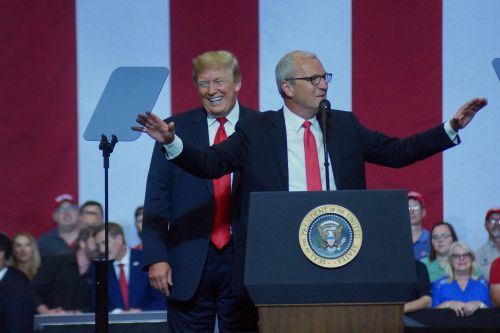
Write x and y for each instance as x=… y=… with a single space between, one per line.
x=349 y=318
x=293 y=294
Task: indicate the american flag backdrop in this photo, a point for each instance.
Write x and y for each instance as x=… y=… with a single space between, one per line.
x=401 y=66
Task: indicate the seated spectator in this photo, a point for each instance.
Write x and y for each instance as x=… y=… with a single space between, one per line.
x=491 y=249
x=91 y=213
x=442 y=236
x=63 y=282
x=138 y=225
x=495 y=283
x=25 y=255
x=421 y=295
x=128 y=284
x=462 y=291
x=62 y=239
x=420 y=236
x=16 y=302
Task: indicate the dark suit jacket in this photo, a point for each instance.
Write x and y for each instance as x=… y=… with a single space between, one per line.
x=179 y=209
x=17 y=305
x=258 y=149
x=140 y=294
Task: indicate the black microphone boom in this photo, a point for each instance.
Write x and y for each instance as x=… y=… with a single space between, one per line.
x=323 y=109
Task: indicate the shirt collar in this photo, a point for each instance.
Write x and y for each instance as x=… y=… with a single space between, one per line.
x=232 y=117
x=295 y=122
x=3 y=271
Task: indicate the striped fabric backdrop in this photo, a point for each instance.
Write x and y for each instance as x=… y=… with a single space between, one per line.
x=400 y=66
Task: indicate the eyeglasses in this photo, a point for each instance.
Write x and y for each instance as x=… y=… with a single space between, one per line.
x=457 y=256
x=493 y=221
x=315 y=79
x=413 y=207
x=442 y=236
x=66 y=209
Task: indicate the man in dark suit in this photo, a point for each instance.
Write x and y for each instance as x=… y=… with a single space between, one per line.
x=128 y=284
x=269 y=150
x=181 y=213
x=17 y=306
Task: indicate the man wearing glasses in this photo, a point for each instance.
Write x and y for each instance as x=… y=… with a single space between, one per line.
x=491 y=249
x=62 y=239
x=283 y=150
x=420 y=236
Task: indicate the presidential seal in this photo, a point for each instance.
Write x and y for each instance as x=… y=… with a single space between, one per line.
x=330 y=236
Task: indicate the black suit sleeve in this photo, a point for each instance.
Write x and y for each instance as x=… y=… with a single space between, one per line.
x=156 y=210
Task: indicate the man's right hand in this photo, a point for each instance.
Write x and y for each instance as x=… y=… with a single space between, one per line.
x=160 y=277
x=155 y=127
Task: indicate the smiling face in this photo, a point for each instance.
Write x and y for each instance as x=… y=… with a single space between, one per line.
x=217 y=91
x=461 y=260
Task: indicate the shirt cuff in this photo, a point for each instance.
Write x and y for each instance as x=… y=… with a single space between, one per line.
x=173 y=149
x=452 y=134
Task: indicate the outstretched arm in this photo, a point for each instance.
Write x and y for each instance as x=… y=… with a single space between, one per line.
x=155 y=127
x=466 y=112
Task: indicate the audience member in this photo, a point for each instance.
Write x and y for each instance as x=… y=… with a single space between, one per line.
x=16 y=302
x=420 y=236
x=128 y=284
x=462 y=291
x=138 y=225
x=63 y=282
x=491 y=249
x=442 y=236
x=25 y=254
x=91 y=213
x=62 y=239
x=421 y=294
x=495 y=282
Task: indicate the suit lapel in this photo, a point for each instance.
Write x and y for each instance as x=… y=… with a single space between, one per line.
x=278 y=137
x=198 y=135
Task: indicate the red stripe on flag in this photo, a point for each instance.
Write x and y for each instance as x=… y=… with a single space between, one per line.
x=38 y=121
x=397 y=85
x=199 y=26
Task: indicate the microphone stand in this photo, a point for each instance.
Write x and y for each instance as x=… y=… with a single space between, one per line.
x=327 y=164
x=324 y=107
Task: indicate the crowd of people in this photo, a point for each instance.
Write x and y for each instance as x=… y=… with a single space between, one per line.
x=55 y=274
x=457 y=277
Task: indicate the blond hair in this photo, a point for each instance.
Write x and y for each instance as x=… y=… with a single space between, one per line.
x=448 y=268
x=220 y=59
x=35 y=260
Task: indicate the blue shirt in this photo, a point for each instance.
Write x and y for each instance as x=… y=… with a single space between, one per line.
x=422 y=247
x=476 y=290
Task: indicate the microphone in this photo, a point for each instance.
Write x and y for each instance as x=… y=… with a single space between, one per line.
x=324 y=107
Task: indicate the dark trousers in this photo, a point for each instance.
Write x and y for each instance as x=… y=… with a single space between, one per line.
x=214 y=297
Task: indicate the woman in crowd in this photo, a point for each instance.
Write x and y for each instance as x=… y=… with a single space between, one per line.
x=25 y=255
x=442 y=236
x=462 y=290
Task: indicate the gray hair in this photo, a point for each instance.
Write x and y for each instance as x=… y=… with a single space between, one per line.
x=286 y=66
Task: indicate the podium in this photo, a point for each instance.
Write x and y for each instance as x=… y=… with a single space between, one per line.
x=295 y=294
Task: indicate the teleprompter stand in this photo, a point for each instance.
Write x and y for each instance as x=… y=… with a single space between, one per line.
x=129 y=91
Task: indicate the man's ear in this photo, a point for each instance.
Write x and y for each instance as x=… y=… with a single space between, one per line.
x=287 y=88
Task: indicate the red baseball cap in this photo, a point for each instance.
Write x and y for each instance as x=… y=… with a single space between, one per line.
x=417 y=196
x=492 y=211
x=62 y=198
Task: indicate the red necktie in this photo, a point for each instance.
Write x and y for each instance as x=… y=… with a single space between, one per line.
x=222 y=197
x=312 y=163
x=123 y=286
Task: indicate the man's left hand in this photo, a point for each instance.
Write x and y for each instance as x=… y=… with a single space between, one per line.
x=466 y=112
